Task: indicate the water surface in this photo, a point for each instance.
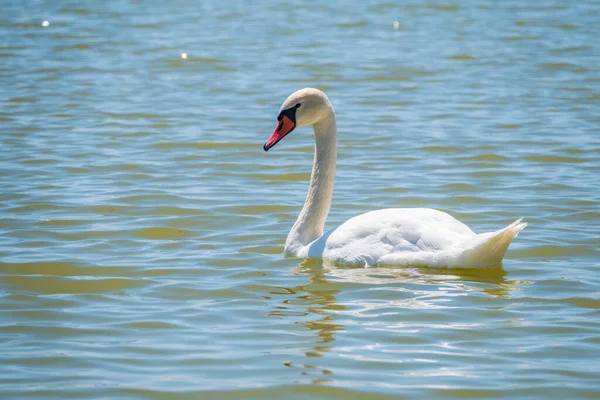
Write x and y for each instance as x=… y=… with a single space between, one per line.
x=142 y=224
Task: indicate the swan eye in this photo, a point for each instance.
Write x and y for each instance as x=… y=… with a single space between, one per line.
x=298 y=105
x=290 y=113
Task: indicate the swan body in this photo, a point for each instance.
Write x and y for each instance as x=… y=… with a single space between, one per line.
x=395 y=236
x=411 y=237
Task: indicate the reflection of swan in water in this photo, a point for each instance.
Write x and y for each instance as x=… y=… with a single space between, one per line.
x=318 y=296
x=494 y=279
x=321 y=295
x=318 y=299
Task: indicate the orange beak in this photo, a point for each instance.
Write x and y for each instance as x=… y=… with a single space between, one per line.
x=285 y=126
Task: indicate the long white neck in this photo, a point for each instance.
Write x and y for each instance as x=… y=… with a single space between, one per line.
x=310 y=222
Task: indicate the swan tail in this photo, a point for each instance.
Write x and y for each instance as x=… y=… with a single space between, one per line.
x=489 y=248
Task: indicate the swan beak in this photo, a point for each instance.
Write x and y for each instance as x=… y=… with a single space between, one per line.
x=285 y=126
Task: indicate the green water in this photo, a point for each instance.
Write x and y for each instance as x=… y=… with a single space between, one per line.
x=142 y=225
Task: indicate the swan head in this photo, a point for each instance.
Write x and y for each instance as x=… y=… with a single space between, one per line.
x=302 y=108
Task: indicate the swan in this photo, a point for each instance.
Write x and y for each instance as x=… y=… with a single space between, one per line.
x=394 y=236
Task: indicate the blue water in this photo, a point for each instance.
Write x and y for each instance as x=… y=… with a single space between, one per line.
x=142 y=225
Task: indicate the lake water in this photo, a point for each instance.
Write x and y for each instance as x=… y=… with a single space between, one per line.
x=143 y=225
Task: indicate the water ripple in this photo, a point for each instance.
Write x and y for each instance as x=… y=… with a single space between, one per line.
x=142 y=225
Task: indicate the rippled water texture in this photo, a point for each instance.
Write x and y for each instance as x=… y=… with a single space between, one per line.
x=143 y=225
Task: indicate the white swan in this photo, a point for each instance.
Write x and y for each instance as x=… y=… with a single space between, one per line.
x=399 y=236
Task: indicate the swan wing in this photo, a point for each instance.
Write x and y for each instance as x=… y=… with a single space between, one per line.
x=411 y=236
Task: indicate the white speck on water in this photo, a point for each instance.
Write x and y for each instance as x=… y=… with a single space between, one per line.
x=45 y=23
x=184 y=55
x=396 y=24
